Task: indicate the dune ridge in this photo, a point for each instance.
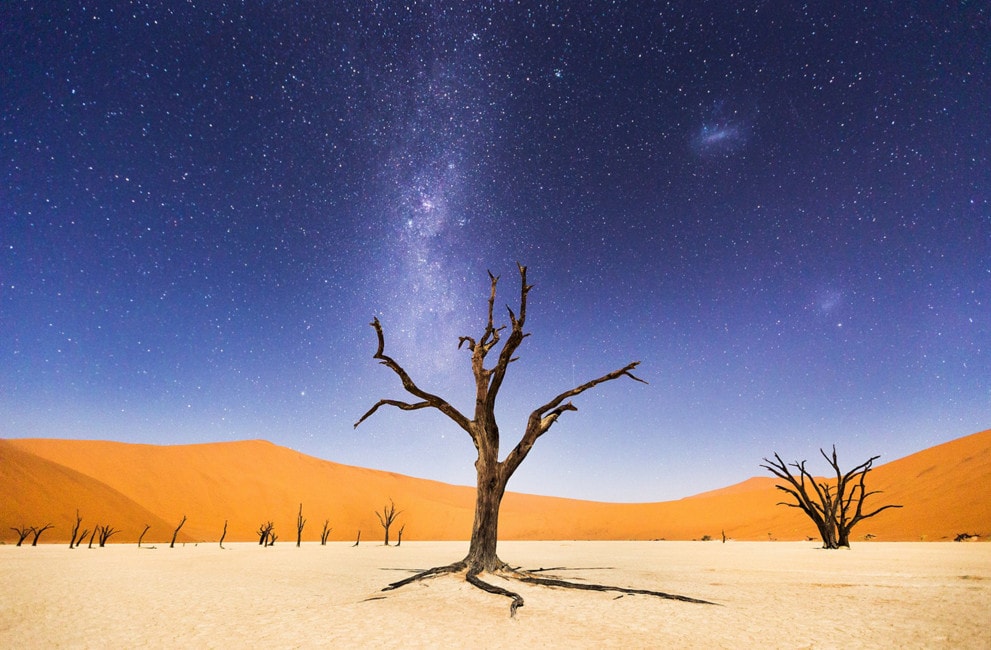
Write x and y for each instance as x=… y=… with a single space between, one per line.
x=250 y=482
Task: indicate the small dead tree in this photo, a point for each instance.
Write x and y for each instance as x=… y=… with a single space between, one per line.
x=399 y=542
x=387 y=516
x=357 y=541
x=93 y=536
x=175 y=533
x=38 y=531
x=105 y=532
x=142 y=535
x=480 y=424
x=22 y=533
x=223 y=534
x=300 y=522
x=264 y=533
x=76 y=537
x=834 y=506
x=325 y=533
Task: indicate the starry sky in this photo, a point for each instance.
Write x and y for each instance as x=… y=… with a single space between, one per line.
x=782 y=210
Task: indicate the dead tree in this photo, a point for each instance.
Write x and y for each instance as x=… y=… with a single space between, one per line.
x=92 y=537
x=357 y=541
x=325 y=533
x=399 y=542
x=480 y=425
x=105 y=532
x=264 y=533
x=223 y=534
x=834 y=506
x=38 y=531
x=142 y=535
x=22 y=533
x=75 y=532
x=175 y=533
x=387 y=516
x=300 y=522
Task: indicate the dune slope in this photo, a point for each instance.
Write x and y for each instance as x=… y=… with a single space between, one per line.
x=250 y=482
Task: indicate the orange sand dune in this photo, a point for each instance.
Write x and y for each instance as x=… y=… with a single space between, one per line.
x=250 y=482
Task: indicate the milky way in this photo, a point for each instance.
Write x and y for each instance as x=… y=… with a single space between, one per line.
x=782 y=211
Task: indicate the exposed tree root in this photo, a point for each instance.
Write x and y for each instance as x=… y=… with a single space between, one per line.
x=529 y=577
x=429 y=573
x=553 y=582
x=499 y=591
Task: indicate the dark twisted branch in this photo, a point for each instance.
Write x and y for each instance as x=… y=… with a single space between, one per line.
x=429 y=399
x=543 y=417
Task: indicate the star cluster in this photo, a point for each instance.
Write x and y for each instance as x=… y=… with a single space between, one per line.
x=783 y=212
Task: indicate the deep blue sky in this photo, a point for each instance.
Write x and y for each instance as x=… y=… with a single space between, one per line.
x=784 y=212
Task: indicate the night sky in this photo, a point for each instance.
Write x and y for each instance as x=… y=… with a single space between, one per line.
x=783 y=211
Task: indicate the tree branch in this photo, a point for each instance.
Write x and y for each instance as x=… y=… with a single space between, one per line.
x=516 y=336
x=429 y=399
x=543 y=417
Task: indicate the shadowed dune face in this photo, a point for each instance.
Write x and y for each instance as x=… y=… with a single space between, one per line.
x=247 y=483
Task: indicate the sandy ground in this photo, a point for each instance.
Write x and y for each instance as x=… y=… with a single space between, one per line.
x=769 y=595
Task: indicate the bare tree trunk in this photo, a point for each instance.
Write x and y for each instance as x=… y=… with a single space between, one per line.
x=387 y=516
x=75 y=530
x=357 y=541
x=91 y=537
x=399 y=542
x=300 y=522
x=22 y=534
x=38 y=532
x=485 y=531
x=105 y=533
x=326 y=533
x=176 y=531
x=223 y=534
x=142 y=536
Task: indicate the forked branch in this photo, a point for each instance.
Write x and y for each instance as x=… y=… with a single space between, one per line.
x=543 y=417
x=429 y=400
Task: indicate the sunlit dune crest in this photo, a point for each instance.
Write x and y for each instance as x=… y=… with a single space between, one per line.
x=129 y=486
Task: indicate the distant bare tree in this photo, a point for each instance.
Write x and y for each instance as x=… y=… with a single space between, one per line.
x=300 y=522
x=76 y=537
x=105 y=532
x=387 y=516
x=38 y=531
x=325 y=533
x=175 y=533
x=223 y=535
x=264 y=532
x=22 y=533
x=142 y=536
x=399 y=542
x=835 y=507
x=93 y=536
x=357 y=541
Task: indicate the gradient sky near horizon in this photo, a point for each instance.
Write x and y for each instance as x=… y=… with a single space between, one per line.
x=782 y=210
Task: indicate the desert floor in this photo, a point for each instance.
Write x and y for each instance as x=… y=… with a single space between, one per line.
x=769 y=595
